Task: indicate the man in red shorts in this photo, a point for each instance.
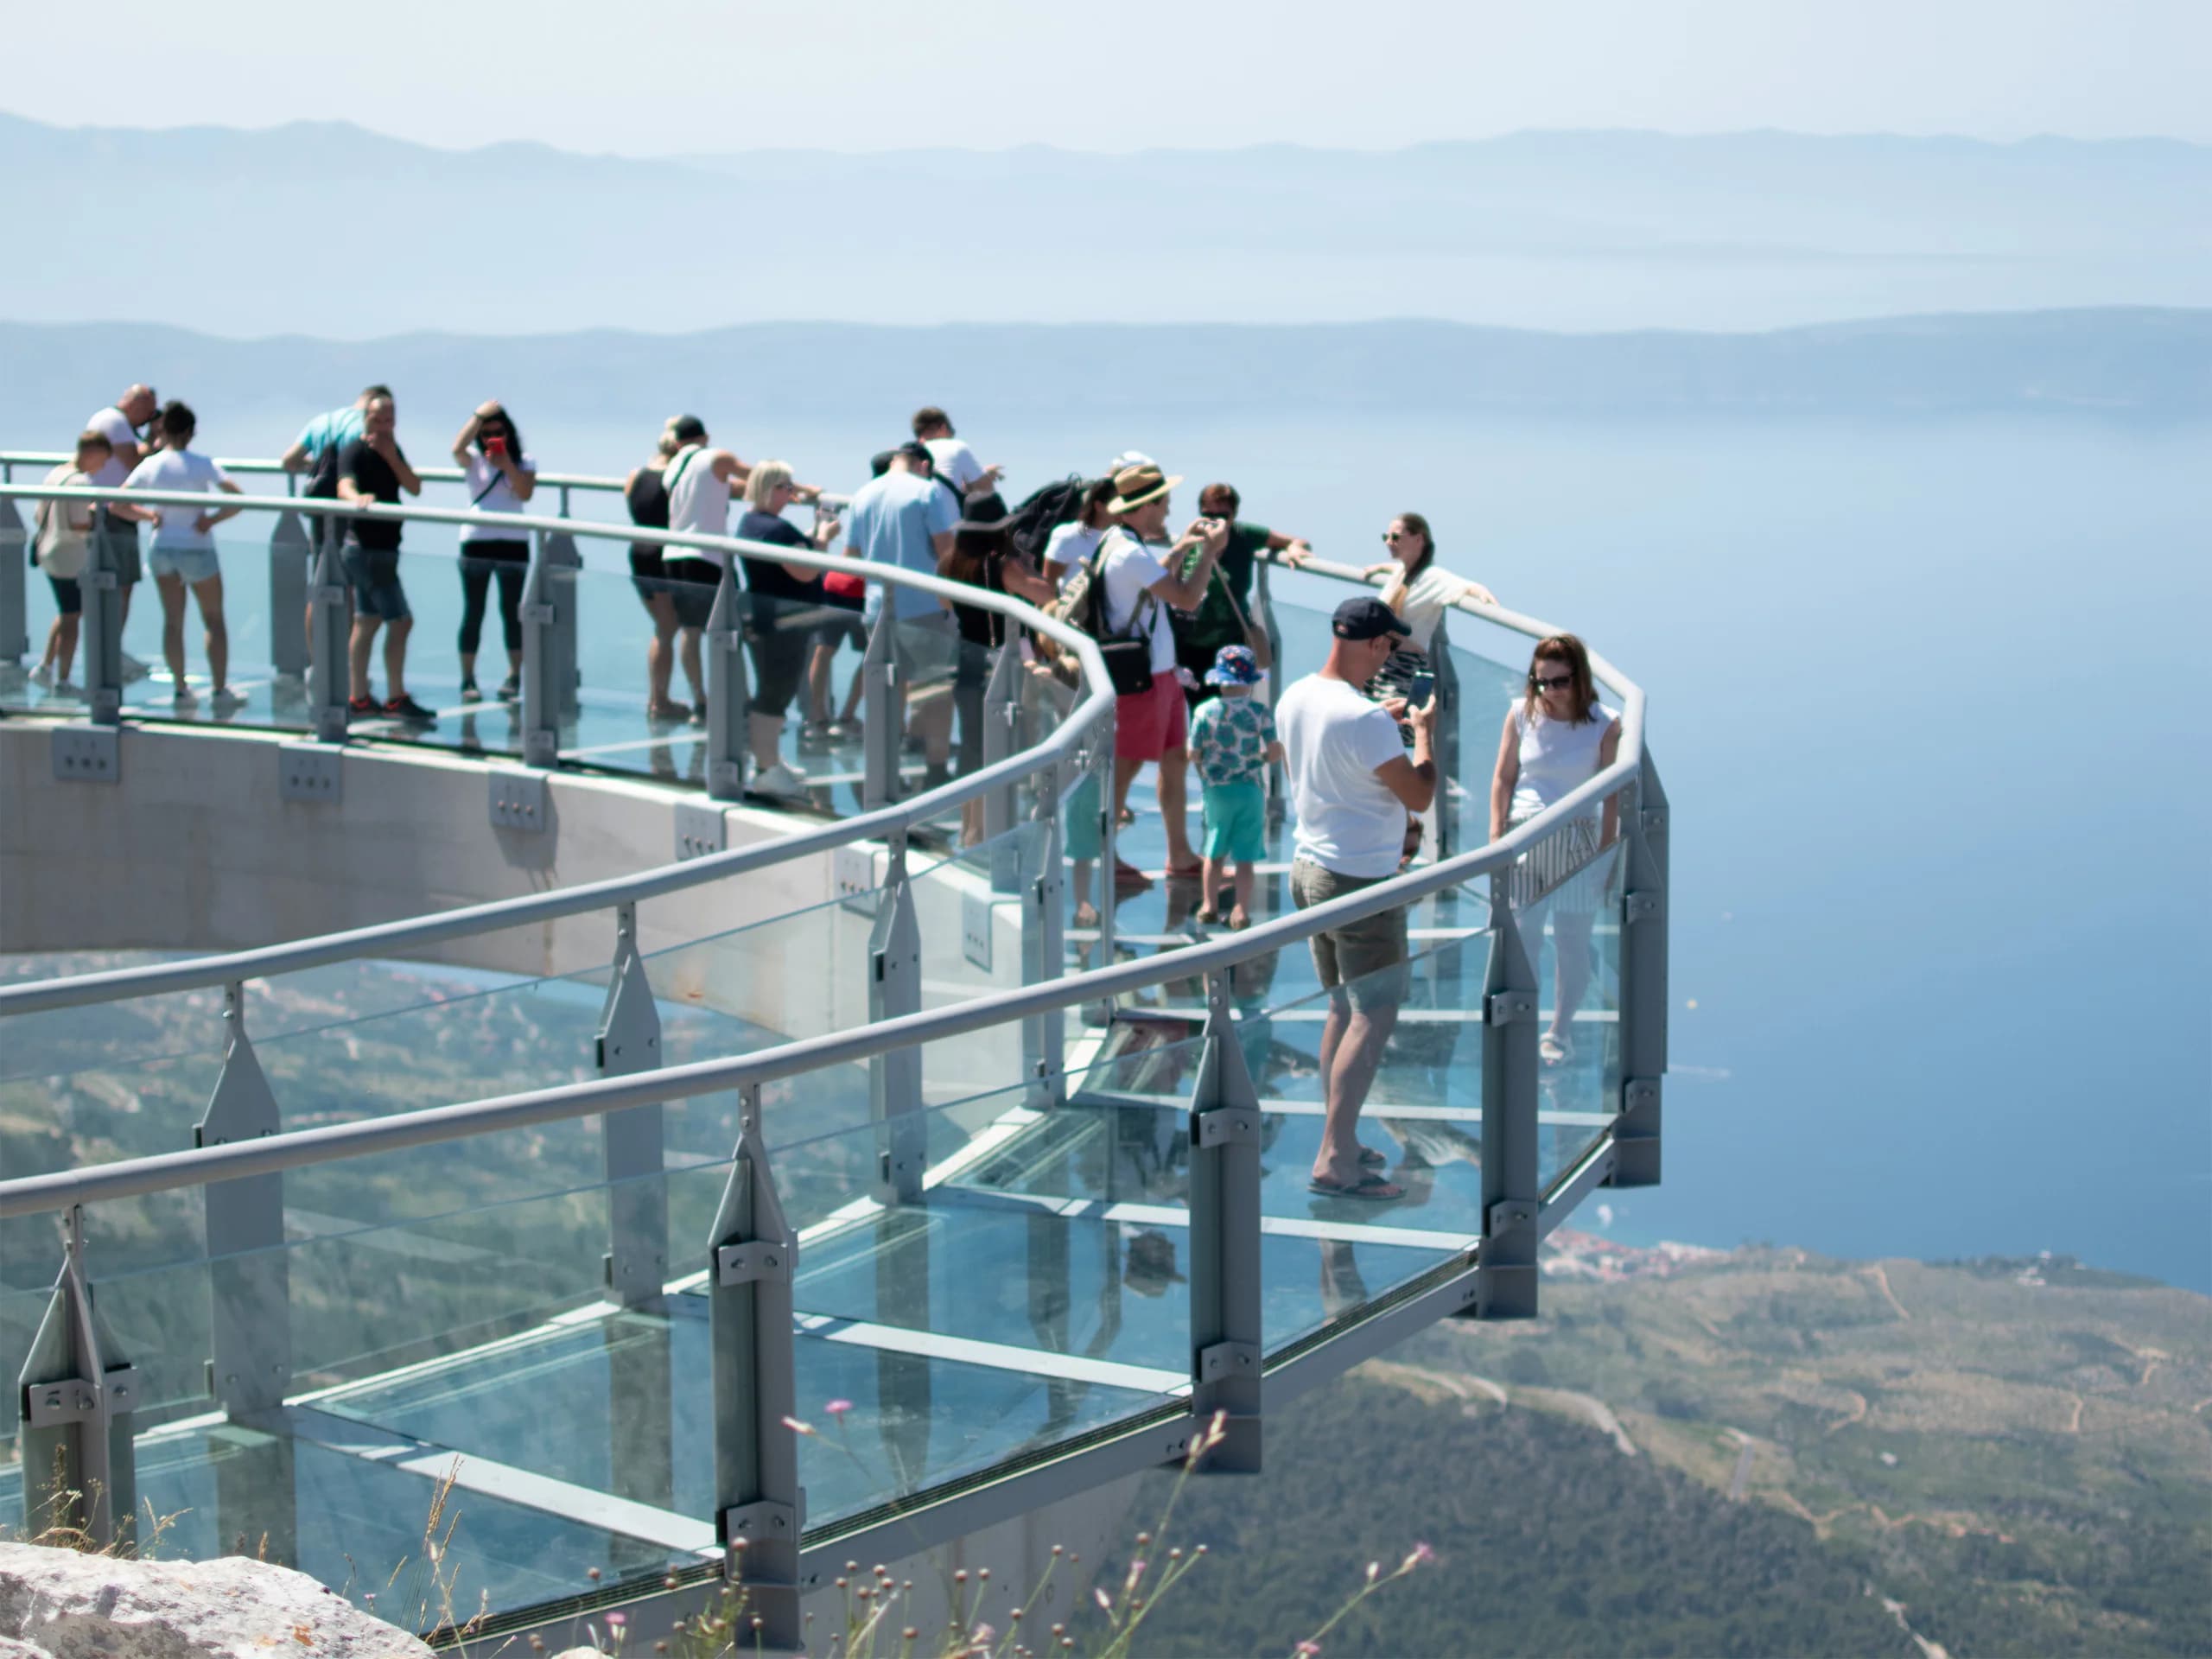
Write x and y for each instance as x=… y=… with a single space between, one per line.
x=1135 y=561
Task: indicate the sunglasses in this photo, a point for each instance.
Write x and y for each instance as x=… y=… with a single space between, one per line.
x=1394 y=534
x=1550 y=682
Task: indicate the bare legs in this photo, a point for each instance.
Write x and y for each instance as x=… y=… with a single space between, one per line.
x=60 y=648
x=363 y=640
x=660 y=658
x=209 y=595
x=1352 y=1043
x=687 y=646
x=1174 y=803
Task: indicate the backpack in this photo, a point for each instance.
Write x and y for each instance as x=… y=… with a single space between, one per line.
x=62 y=549
x=1082 y=605
x=1043 y=511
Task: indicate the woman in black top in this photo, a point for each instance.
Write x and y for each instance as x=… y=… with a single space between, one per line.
x=982 y=556
x=779 y=624
x=646 y=492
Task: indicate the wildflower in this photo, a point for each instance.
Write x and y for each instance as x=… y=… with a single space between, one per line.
x=838 y=1408
x=616 y=1621
x=592 y=1573
x=1374 y=1571
x=796 y=1427
x=985 y=1635
x=1422 y=1556
x=1104 y=1600
x=1309 y=1649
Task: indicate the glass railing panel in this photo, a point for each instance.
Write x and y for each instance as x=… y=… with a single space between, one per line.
x=30 y=1269
x=623 y=624
x=970 y=916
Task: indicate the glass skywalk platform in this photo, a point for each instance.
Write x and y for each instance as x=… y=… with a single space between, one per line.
x=935 y=1202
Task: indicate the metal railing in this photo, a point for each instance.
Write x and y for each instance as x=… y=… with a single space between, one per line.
x=80 y=1399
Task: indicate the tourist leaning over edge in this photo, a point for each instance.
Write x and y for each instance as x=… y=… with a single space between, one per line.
x=315 y=452
x=184 y=553
x=123 y=423
x=901 y=518
x=701 y=482
x=953 y=464
x=646 y=494
x=776 y=635
x=1557 y=738
x=1224 y=616
x=499 y=476
x=1232 y=739
x=372 y=469
x=61 y=547
x=1152 y=724
x=1351 y=784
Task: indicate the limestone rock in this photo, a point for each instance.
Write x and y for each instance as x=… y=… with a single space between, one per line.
x=55 y=1603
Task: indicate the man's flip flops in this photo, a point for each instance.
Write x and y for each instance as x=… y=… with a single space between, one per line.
x=1371 y=1188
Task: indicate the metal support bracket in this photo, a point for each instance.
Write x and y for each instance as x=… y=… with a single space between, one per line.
x=747 y=1264
x=1503 y=1007
x=81 y=1400
x=520 y=800
x=77 y=1399
x=852 y=876
x=87 y=754
x=1648 y=906
x=308 y=771
x=1227 y=1126
x=1225 y=1359
x=700 y=830
x=975 y=928
x=776 y=1522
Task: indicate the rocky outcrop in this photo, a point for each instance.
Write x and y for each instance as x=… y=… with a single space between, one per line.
x=55 y=1603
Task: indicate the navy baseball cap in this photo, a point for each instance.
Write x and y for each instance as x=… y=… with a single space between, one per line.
x=1366 y=619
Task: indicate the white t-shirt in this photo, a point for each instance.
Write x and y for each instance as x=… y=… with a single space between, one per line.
x=1334 y=739
x=1130 y=570
x=1430 y=595
x=178 y=469
x=489 y=492
x=1070 y=544
x=1557 y=757
x=952 y=459
x=114 y=425
x=697 y=500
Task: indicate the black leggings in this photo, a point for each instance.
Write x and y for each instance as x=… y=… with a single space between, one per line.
x=479 y=561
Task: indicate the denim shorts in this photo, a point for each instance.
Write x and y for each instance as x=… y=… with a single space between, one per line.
x=194 y=564
x=374 y=573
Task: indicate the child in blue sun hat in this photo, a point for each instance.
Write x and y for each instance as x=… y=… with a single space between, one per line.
x=1232 y=739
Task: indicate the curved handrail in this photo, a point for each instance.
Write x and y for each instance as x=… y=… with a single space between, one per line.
x=263 y=467
x=200 y=972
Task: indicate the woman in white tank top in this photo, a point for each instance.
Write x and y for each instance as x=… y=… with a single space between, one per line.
x=1556 y=739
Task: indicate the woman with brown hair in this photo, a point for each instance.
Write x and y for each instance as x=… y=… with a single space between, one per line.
x=1555 y=740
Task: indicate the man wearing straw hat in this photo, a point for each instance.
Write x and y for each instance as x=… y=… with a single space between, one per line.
x=1153 y=725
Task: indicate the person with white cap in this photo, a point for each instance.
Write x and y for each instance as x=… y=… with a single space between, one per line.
x=1152 y=723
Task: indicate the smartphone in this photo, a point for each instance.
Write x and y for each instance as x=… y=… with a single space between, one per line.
x=1422 y=689
x=496 y=445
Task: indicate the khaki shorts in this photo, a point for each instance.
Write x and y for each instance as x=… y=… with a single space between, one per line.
x=1364 y=963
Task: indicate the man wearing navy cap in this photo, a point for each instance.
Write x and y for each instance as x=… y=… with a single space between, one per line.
x=1351 y=786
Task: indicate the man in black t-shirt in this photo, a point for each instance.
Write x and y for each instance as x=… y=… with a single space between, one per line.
x=373 y=468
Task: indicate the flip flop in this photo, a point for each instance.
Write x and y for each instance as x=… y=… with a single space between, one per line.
x=1370 y=1159
x=1373 y=1189
x=1555 y=1050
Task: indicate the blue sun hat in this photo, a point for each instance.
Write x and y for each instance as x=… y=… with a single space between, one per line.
x=1235 y=665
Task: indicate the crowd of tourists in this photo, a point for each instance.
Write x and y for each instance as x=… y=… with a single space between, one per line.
x=1172 y=611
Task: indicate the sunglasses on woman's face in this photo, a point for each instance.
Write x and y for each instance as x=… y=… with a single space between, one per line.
x=1394 y=534
x=1550 y=682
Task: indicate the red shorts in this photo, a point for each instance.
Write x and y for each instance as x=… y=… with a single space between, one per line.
x=1150 y=724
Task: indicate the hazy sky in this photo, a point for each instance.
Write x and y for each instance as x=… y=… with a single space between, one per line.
x=865 y=74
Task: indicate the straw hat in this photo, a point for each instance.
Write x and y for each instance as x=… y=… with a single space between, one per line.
x=1134 y=486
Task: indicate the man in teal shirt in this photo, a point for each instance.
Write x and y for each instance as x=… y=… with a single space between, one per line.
x=1220 y=618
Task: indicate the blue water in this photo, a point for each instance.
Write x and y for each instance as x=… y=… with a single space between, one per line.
x=1920 y=695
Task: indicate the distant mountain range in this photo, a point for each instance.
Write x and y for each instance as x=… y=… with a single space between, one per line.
x=2135 y=365
x=331 y=230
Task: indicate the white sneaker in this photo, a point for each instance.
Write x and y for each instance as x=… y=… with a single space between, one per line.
x=782 y=781
x=227 y=698
x=133 y=668
x=184 y=693
x=43 y=674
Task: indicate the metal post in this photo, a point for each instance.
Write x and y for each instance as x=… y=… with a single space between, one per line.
x=1505 y=1286
x=287 y=594
x=1043 y=945
x=1643 y=983
x=759 y=1505
x=1444 y=814
x=895 y=1078
x=77 y=1401
x=628 y=1041
x=541 y=664
x=99 y=634
x=1278 y=806
x=729 y=708
x=1001 y=806
x=557 y=550
x=1109 y=835
x=880 y=736
x=249 y=1275
x=1226 y=1339
x=14 y=618
x=328 y=663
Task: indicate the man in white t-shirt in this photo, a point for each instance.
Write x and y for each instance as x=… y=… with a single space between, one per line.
x=954 y=464
x=120 y=423
x=1351 y=786
x=1134 y=561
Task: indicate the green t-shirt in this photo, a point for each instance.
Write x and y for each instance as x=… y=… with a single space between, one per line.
x=1215 y=624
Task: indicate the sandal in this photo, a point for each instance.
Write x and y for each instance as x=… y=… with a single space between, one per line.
x=1371 y=1189
x=1554 y=1050
x=1207 y=914
x=1370 y=1159
x=1086 y=914
x=1239 y=920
